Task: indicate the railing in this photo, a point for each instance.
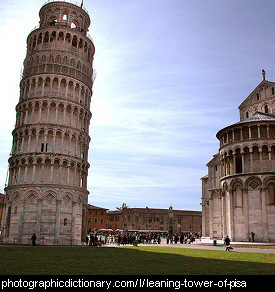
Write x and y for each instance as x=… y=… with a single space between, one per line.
x=57 y=25
x=72 y=72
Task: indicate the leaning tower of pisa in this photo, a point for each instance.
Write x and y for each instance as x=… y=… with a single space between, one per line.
x=48 y=167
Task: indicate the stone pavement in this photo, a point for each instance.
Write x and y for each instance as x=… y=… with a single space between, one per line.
x=206 y=243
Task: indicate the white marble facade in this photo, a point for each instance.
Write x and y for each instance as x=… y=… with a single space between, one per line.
x=54 y=214
x=238 y=193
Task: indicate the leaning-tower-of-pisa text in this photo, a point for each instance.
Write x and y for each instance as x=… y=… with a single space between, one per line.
x=48 y=167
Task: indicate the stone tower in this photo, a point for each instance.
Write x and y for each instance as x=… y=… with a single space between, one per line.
x=48 y=167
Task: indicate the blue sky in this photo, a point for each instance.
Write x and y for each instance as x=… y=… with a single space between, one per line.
x=170 y=74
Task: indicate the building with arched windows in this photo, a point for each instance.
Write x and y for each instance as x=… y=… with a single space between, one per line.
x=238 y=194
x=48 y=166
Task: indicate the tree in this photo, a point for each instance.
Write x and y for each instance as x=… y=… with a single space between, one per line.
x=123 y=206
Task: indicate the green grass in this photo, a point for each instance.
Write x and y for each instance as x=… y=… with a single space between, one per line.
x=148 y=260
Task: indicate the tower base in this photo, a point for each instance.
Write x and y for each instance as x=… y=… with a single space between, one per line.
x=56 y=215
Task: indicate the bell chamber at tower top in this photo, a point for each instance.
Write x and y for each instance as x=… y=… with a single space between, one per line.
x=64 y=14
x=59 y=48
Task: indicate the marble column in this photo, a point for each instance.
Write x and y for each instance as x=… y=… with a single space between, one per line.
x=263 y=192
x=246 y=212
x=38 y=223
x=20 y=221
x=73 y=230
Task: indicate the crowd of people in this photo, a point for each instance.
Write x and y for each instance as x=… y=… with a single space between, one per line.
x=184 y=237
x=134 y=238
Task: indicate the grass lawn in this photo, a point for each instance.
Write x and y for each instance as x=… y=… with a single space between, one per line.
x=147 y=260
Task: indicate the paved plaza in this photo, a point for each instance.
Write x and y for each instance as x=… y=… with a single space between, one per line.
x=206 y=243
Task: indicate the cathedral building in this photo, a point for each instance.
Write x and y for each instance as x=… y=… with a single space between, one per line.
x=238 y=193
x=48 y=166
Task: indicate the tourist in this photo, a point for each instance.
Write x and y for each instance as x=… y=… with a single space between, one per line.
x=33 y=239
x=253 y=236
x=158 y=239
x=92 y=239
x=119 y=239
x=171 y=239
x=227 y=244
x=95 y=243
x=176 y=238
x=181 y=238
x=192 y=238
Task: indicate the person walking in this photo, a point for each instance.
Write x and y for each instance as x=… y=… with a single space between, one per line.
x=227 y=244
x=33 y=239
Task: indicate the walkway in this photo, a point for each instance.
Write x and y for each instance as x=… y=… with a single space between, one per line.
x=205 y=243
x=261 y=247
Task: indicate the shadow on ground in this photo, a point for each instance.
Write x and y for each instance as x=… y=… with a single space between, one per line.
x=42 y=260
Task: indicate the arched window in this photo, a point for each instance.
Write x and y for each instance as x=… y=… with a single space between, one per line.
x=265 y=155
x=68 y=37
x=74 y=42
x=65 y=60
x=72 y=63
x=53 y=36
x=61 y=36
x=43 y=59
x=78 y=65
x=51 y=59
x=266 y=109
x=238 y=161
x=58 y=59
x=34 y=42
x=80 y=45
x=39 y=41
x=46 y=37
x=65 y=222
x=246 y=115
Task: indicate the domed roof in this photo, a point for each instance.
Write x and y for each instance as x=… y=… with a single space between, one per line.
x=257 y=117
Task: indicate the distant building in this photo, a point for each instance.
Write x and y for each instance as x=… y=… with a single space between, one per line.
x=115 y=219
x=238 y=194
x=155 y=220
x=97 y=218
